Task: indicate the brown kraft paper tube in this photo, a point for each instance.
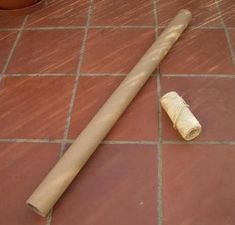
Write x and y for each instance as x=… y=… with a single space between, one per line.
x=65 y=170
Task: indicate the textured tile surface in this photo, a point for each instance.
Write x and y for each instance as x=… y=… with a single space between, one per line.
x=199 y=184
x=199 y=51
x=115 y=50
x=47 y=51
x=228 y=12
x=11 y=21
x=121 y=12
x=34 y=107
x=139 y=122
x=117 y=186
x=204 y=11
x=210 y=99
x=23 y=166
x=60 y=13
x=7 y=39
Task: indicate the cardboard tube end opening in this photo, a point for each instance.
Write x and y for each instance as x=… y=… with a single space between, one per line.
x=185 y=11
x=35 y=209
x=193 y=133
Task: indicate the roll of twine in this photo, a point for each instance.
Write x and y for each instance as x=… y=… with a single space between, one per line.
x=178 y=112
x=182 y=118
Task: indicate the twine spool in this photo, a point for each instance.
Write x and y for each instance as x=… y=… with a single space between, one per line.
x=181 y=116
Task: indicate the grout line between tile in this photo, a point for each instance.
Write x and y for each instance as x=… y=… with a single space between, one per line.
x=74 y=90
x=10 y=29
x=229 y=76
x=107 y=27
x=155 y=13
x=70 y=141
x=14 y=46
x=199 y=142
x=159 y=107
x=199 y=27
x=79 y=27
x=121 y=27
x=159 y=154
x=230 y=45
x=159 y=143
x=159 y=184
x=112 y=142
x=55 y=28
x=226 y=32
x=90 y=27
x=107 y=74
x=30 y=140
x=39 y=74
x=102 y=74
x=117 y=142
x=129 y=142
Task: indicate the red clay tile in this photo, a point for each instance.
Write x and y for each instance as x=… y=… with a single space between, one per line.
x=212 y=102
x=199 y=51
x=227 y=8
x=11 y=21
x=117 y=186
x=139 y=121
x=199 y=184
x=23 y=166
x=34 y=107
x=6 y=42
x=115 y=50
x=204 y=11
x=121 y=12
x=47 y=51
x=60 y=13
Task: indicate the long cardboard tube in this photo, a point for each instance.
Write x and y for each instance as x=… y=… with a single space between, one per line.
x=65 y=170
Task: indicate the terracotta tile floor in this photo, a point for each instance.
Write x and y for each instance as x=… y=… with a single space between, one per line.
x=113 y=191
x=59 y=65
x=42 y=51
